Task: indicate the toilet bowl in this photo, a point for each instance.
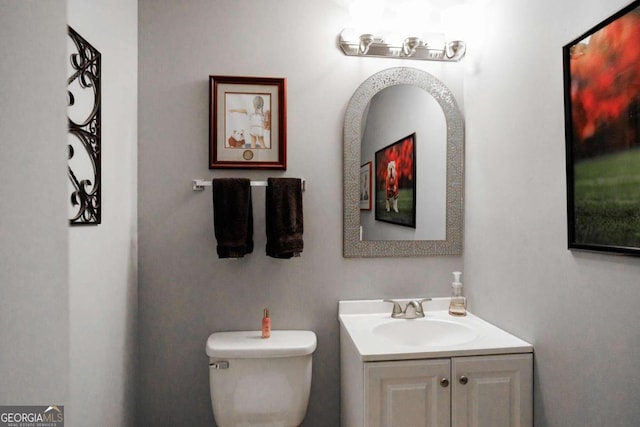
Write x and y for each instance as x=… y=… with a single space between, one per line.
x=256 y=382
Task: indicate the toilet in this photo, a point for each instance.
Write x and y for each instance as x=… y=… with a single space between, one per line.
x=256 y=382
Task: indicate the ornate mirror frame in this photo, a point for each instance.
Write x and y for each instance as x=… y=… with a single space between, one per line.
x=352 y=245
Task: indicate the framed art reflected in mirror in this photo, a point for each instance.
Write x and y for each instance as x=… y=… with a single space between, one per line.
x=365 y=187
x=396 y=182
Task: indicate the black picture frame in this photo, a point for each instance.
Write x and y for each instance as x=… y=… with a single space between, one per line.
x=602 y=133
x=395 y=200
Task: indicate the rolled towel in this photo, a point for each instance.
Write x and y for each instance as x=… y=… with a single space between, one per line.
x=284 y=219
x=232 y=216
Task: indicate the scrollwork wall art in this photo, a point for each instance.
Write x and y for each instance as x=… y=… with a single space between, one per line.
x=83 y=100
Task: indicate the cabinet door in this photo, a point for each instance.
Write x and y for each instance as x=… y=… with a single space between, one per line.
x=492 y=391
x=408 y=394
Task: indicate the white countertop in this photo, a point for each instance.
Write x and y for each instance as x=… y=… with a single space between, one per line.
x=358 y=318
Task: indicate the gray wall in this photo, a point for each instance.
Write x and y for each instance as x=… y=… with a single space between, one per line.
x=580 y=310
x=186 y=292
x=34 y=296
x=103 y=259
x=68 y=295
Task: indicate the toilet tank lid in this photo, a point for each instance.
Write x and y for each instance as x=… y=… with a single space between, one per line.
x=250 y=344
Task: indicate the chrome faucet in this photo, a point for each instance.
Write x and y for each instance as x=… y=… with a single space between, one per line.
x=412 y=310
x=416 y=307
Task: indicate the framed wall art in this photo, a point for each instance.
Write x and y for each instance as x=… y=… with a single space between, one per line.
x=247 y=122
x=365 y=187
x=396 y=182
x=602 y=126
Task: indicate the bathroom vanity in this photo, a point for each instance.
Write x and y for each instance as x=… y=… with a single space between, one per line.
x=434 y=371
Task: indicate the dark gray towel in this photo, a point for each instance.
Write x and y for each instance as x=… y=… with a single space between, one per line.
x=284 y=221
x=232 y=216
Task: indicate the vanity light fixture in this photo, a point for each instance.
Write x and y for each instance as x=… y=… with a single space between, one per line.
x=413 y=47
x=366 y=40
x=454 y=49
x=410 y=44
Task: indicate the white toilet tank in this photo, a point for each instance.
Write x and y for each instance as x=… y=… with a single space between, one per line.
x=256 y=382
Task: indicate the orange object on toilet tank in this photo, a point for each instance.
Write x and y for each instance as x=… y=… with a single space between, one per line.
x=266 y=324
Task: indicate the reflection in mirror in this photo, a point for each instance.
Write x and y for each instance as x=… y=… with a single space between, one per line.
x=388 y=107
x=393 y=113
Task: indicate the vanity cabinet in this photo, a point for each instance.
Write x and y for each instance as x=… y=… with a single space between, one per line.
x=435 y=371
x=407 y=393
x=479 y=391
x=492 y=391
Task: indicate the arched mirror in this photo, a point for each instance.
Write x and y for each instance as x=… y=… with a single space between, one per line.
x=403 y=167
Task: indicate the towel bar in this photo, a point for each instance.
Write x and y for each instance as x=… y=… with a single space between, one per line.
x=199 y=184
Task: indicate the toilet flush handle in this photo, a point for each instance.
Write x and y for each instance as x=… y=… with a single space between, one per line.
x=221 y=364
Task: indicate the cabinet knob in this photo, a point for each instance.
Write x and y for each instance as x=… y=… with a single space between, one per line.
x=444 y=382
x=464 y=380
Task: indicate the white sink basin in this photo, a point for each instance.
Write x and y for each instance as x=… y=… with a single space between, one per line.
x=376 y=336
x=425 y=332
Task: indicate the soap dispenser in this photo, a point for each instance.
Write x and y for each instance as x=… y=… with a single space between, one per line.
x=458 y=304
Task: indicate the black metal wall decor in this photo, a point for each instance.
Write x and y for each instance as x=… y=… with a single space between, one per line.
x=83 y=100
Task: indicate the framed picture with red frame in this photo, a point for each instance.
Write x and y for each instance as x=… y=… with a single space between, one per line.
x=247 y=122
